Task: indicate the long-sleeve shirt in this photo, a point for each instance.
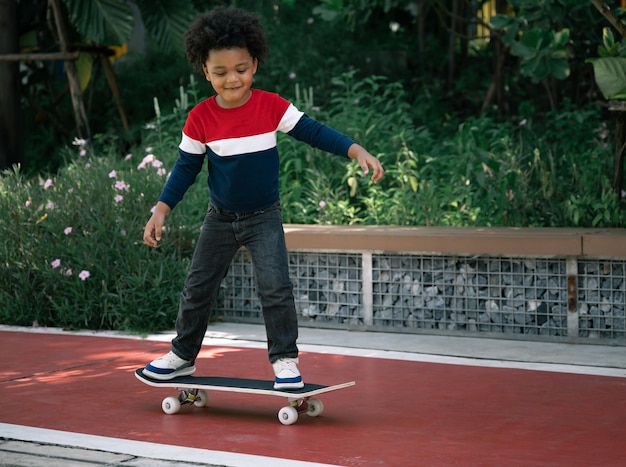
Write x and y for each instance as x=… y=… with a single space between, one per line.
x=241 y=152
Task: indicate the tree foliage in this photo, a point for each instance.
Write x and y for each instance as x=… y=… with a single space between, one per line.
x=475 y=55
x=111 y=22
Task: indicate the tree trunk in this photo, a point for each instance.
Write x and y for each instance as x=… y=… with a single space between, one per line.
x=421 y=27
x=619 y=107
x=495 y=92
x=452 y=38
x=11 y=147
x=610 y=16
x=82 y=124
x=108 y=71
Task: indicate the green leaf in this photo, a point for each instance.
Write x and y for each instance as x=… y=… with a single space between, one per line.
x=560 y=69
x=536 y=69
x=607 y=38
x=326 y=14
x=534 y=39
x=166 y=21
x=610 y=74
x=522 y=50
x=561 y=38
x=84 y=66
x=106 y=22
x=530 y=44
x=28 y=40
x=500 y=22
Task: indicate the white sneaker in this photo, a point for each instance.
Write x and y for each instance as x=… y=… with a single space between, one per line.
x=168 y=367
x=287 y=374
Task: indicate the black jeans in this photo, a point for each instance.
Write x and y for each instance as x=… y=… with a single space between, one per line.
x=223 y=233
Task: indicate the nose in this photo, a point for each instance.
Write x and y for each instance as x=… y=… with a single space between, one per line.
x=231 y=77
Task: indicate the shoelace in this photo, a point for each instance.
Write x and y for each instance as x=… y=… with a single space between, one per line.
x=287 y=365
x=170 y=358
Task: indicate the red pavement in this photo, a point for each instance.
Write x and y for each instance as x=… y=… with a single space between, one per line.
x=400 y=413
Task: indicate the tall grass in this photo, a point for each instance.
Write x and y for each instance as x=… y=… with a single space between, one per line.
x=71 y=252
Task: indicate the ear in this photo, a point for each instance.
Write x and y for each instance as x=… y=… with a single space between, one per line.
x=205 y=70
x=255 y=65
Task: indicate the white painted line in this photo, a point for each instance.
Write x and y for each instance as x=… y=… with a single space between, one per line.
x=146 y=450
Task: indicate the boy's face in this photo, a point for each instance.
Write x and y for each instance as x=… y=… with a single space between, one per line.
x=231 y=72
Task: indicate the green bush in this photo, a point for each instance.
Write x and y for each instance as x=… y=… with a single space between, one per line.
x=72 y=253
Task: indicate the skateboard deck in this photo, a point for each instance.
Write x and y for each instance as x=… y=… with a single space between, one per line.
x=195 y=390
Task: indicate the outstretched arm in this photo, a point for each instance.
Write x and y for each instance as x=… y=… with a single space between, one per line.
x=328 y=139
x=366 y=161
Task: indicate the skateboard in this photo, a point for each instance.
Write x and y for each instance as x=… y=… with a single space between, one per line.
x=194 y=390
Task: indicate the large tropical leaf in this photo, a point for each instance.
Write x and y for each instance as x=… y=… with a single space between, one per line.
x=106 y=22
x=610 y=74
x=166 y=21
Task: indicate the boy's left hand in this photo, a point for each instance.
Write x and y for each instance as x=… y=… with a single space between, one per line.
x=366 y=161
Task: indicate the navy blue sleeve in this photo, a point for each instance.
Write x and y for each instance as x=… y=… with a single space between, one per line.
x=321 y=136
x=184 y=174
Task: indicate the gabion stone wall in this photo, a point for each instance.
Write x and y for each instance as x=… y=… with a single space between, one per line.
x=327 y=288
x=511 y=296
x=602 y=299
x=451 y=294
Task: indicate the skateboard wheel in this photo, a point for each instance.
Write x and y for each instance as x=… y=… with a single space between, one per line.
x=288 y=415
x=170 y=405
x=315 y=407
x=202 y=398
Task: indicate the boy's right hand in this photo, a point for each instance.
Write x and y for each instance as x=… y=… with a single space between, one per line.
x=154 y=227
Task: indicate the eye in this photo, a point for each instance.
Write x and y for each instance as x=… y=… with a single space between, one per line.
x=220 y=74
x=241 y=72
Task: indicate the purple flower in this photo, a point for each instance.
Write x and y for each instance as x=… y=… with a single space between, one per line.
x=121 y=185
x=47 y=184
x=149 y=159
x=84 y=275
x=118 y=199
x=112 y=174
x=56 y=263
x=67 y=231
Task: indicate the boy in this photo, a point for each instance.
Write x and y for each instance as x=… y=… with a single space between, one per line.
x=235 y=130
